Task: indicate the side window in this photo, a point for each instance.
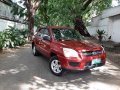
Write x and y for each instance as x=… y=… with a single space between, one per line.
x=43 y=32
x=46 y=33
x=40 y=33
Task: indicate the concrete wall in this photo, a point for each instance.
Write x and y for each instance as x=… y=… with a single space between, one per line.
x=108 y=21
x=98 y=23
x=92 y=30
x=115 y=28
x=4 y=24
x=111 y=12
x=5 y=13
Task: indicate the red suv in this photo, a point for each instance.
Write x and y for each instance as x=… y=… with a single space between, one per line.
x=67 y=50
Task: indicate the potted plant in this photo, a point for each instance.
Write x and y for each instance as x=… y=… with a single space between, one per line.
x=100 y=33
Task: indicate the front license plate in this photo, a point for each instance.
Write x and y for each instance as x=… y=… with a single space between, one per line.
x=96 y=61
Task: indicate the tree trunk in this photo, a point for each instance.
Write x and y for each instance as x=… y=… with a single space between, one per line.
x=31 y=9
x=78 y=22
x=79 y=26
x=31 y=26
x=100 y=38
x=1 y=50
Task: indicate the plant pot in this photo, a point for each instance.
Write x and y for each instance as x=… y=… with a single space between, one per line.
x=100 y=38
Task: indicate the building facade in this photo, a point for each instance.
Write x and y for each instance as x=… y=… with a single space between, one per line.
x=8 y=19
x=109 y=21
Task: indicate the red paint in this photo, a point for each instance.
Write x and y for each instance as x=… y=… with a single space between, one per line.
x=56 y=47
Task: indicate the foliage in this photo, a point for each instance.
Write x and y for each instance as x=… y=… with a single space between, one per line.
x=95 y=8
x=2 y=39
x=100 y=32
x=17 y=10
x=13 y=37
x=62 y=12
x=29 y=10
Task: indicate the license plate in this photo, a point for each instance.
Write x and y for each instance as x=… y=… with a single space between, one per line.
x=96 y=61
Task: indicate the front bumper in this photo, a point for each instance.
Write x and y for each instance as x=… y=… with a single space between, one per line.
x=90 y=66
x=82 y=64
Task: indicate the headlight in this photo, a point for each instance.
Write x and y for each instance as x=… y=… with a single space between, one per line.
x=70 y=52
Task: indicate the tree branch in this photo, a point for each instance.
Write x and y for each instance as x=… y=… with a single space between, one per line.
x=87 y=3
x=27 y=4
x=36 y=4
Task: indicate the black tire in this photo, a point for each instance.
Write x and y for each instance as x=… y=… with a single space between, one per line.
x=57 y=72
x=34 y=51
x=87 y=70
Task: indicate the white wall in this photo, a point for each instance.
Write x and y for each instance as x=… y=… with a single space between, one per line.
x=108 y=21
x=111 y=12
x=5 y=12
x=115 y=30
x=95 y=21
x=5 y=23
x=92 y=30
x=101 y=24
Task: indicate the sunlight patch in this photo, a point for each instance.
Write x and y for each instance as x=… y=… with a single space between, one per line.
x=16 y=70
x=102 y=86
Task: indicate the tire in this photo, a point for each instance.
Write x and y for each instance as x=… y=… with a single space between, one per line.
x=55 y=66
x=34 y=51
x=87 y=70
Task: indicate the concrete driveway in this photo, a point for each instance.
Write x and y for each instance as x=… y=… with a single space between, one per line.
x=20 y=70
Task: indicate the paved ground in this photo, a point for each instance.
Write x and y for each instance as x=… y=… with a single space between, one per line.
x=20 y=70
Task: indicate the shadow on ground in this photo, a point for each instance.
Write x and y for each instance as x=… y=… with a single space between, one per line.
x=23 y=71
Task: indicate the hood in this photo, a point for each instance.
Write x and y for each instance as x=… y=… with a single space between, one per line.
x=79 y=45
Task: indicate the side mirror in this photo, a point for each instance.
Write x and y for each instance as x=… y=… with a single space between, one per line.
x=47 y=38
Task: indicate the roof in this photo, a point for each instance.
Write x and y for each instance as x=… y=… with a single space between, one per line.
x=111 y=12
x=7 y=2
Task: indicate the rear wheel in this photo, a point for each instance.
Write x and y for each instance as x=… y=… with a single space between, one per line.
x=34 y=51
x=55 y=66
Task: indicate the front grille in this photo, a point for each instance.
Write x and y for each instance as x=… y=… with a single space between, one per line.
x=92 y=53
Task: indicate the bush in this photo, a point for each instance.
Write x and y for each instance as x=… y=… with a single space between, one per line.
x=100 y=32
x=2 y=39
x=14 y=37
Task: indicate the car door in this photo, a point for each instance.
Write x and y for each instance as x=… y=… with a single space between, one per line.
x=45 y=44
x=38 y=39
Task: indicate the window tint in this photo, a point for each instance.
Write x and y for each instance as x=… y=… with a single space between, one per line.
x=43 y=32
x=66 y=34
x=40 y=32
x=46 y=32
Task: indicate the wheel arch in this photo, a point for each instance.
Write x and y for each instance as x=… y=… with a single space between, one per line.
x=53 y=54
x=33 y=44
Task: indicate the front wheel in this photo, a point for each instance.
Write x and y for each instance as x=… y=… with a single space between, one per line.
x=34 y=51
x=55 y=66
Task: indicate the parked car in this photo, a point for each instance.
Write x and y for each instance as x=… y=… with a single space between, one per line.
x=67 y=50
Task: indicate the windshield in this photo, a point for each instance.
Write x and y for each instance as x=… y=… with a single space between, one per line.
x=66 y=34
